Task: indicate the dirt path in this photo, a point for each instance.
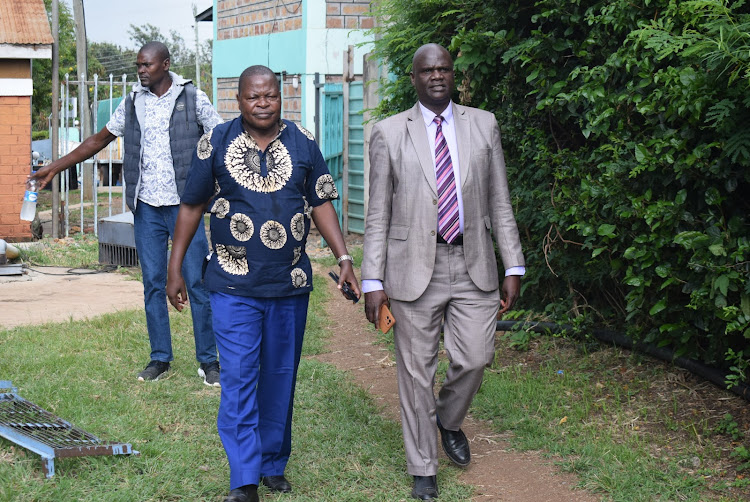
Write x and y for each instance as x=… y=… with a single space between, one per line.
x=53 y=294
x=497 y=473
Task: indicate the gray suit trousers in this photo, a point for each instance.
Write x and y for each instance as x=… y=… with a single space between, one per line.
x=469 y=315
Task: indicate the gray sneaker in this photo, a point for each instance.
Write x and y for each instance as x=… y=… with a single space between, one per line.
x=210 y=373
x=154 y=371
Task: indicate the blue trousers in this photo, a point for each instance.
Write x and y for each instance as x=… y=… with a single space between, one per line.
x=260 y=342
x=153 y=227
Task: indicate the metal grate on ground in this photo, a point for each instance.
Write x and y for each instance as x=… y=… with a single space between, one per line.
x=26 y=424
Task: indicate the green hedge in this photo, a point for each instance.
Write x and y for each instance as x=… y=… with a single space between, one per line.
x=626 y=127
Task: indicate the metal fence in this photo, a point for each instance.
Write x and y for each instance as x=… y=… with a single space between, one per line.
x=105 y=162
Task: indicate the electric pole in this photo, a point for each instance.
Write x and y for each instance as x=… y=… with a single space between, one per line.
x=83 y=91
x=55 y=133
x=197 y=50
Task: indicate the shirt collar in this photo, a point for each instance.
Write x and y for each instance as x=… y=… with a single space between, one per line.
x=282 y=128
x=429 y=116
x=171 y=87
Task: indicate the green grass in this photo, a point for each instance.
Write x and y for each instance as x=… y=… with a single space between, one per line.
x=79 y=251
x=632 y=429
x=330 y=260
x=85 y=373
x=614 y=420
x=76 y=251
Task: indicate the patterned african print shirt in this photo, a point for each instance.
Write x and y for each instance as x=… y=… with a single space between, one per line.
x=261 y=205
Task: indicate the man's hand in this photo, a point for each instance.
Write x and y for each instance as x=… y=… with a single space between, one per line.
x=510 y=293
x=176 y=291
x=43 y=175
x=348 y=275
x=90 y=146
x=188 y=218
x=373 y=301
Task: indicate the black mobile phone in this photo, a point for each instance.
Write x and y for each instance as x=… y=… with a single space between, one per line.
x=345 y=288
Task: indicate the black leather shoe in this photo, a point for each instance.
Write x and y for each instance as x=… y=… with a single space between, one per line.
x=277 y=483
x=425 y=488
x=247 y=493
x=455 y=445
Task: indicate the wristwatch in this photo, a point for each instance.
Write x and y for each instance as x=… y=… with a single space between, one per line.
x=344 y=257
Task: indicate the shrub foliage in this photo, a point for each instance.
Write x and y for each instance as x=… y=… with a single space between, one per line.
x=626 y=127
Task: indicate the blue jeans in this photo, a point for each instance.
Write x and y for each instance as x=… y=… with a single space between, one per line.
x=153 y=227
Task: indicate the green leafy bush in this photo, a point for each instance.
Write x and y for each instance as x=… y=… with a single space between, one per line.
x=627 y=136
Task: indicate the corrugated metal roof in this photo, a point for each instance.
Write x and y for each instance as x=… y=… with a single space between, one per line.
x=206 y=15
x=24 y=22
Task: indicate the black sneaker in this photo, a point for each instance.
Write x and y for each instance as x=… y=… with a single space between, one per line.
x=154 y=371
x=210 y=373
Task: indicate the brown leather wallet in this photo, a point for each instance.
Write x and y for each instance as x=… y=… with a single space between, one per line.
x=386 y=319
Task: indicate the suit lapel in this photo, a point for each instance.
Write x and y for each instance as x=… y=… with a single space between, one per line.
x=418 y=137
x=463 y=140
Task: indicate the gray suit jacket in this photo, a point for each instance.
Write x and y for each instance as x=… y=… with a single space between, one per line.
x=401 y=225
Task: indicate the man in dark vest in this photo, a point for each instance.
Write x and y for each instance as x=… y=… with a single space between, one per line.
x=161 y=122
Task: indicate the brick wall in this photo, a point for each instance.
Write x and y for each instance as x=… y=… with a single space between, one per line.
x=226 y=103
x=226 y=97
x=348 y=14
x=15 y=159
x=292 y=100
x=246 y=18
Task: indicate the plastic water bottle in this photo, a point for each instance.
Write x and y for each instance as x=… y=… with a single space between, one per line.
x=28 y=210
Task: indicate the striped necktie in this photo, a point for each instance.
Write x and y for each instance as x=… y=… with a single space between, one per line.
x=446 y=184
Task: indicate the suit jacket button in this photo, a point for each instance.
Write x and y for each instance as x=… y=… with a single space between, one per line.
x=434 y=202
x=432 y=233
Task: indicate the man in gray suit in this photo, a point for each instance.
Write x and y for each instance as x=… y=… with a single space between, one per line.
x=438 y=196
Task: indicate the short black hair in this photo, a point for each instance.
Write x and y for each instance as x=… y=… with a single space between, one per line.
x=254 y=71
x=158 y=48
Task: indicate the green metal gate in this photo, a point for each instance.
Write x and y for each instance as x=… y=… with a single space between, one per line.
x=356 y=162
x=332 y=141
x=332 y=146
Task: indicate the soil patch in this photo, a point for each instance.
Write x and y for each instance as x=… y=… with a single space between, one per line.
x=53 y=294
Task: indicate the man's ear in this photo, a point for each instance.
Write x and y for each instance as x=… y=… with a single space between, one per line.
x=166 y=64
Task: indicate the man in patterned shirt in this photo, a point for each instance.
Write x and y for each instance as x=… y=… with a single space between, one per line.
x=161 y=122
x=264 y=180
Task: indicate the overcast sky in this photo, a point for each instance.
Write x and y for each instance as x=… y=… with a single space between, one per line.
x=109 y=21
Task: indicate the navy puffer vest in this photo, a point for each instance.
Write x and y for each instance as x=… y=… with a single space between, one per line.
x=184 y=133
